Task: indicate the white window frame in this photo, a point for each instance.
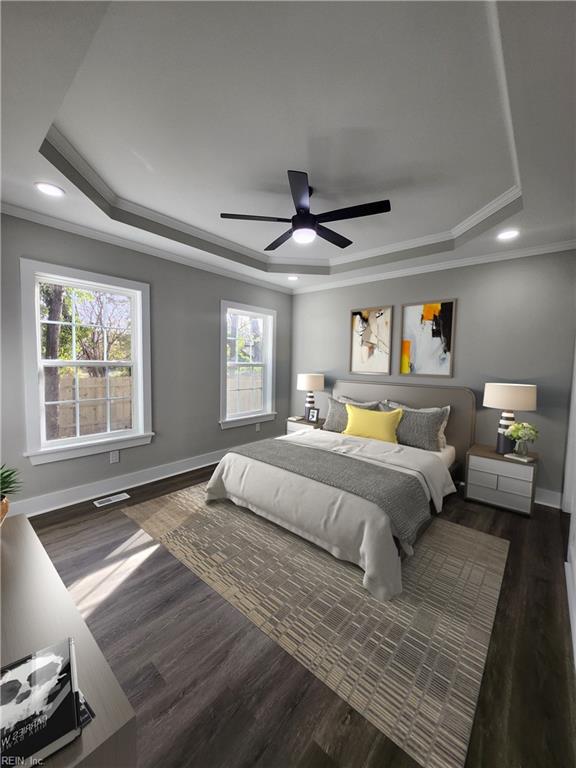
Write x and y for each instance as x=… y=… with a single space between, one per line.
x=39 y=450
x=268 y=413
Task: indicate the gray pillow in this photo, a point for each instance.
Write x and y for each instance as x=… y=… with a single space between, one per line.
x=337 y=417
x=446 y=409
x=421 y=427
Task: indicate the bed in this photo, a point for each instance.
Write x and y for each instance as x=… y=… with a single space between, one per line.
x=364 y=501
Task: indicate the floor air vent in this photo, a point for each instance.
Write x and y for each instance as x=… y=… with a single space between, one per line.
x=110 y=499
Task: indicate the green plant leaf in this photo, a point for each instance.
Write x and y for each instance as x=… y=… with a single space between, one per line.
x=9 y=481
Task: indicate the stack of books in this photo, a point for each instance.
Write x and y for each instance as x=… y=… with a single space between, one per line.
x=41 y=707
x=516 y=457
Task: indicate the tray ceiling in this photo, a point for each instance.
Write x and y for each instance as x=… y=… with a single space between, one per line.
x=178 y=111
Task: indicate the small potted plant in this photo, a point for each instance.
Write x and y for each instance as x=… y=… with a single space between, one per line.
x=9 y=484
x=522 y=433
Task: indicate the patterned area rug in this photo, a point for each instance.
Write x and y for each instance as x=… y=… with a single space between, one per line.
x=412 y=666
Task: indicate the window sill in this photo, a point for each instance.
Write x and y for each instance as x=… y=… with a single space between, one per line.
x=61 y=453
x=246 y=420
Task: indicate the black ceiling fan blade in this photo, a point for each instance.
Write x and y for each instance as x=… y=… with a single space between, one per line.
x=300 y=190
x=279 y=240
x=332 y=237
x=248 y=217
x=355 y=211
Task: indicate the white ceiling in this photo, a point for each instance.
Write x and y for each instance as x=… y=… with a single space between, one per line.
x=183 y=110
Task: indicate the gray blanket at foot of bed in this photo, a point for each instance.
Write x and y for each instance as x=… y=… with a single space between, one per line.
x=398 y=494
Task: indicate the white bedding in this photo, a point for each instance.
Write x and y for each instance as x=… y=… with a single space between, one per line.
x=349 y=527
x=448 y=455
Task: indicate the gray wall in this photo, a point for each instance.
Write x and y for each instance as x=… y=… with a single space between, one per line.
x=525 y=334
x=185 y=320
x=515 y=322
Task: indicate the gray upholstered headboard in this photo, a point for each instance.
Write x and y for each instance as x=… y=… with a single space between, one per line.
x=460 y=429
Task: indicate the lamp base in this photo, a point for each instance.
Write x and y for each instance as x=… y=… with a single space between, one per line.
x=309 y=404
x=505 y=444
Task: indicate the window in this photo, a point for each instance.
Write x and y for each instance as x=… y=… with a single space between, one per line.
x=247 y=386
x=86 y=349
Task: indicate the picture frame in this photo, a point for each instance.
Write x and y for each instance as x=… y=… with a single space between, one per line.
x=371 y=340
x=427 y=338
x=313 y=415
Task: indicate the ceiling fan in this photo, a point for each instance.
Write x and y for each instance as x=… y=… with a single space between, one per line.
x=306 y=225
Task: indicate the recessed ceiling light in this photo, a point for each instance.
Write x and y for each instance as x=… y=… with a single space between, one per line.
x=508 y=234
x=292 y=277
x=304 y=235
x=49 y=189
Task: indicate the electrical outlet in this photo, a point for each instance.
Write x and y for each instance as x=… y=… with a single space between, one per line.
x=257 y=427
x=114 y=457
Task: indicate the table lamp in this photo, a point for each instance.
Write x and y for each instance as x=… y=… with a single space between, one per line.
x=310 y=383
x=508 y=398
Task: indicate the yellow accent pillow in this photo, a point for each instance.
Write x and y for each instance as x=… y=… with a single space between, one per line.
x=377 y=425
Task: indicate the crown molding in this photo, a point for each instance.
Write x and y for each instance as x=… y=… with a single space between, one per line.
x=490 y=209
x=80 y=229
x=407 y=269
x=277 y=261
x=168 y=221
x=495 y=35
x=67 y=150
x=66 y=159
x=60 y=152
x=444 y=238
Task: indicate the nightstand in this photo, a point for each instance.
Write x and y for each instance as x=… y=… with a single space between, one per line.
x=493 y=479
x=295 y=423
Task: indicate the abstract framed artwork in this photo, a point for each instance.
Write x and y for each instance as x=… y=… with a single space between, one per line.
x=427 y=339
x=370 y=340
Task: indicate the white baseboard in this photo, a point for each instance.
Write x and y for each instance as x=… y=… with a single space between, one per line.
x=548 y=498
x=36 y=505
x=570 y=582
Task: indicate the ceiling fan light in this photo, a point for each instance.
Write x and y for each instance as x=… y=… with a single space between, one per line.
x=304 y=235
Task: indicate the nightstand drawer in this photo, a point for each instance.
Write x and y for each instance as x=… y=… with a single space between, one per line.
x=506 y=468
x=499 y=498
x=511 y=485
x=482 y=478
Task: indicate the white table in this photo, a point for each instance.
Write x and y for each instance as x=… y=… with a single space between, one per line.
x=38 y=611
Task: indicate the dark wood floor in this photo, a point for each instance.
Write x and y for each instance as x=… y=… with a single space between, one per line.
x=211 y=691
